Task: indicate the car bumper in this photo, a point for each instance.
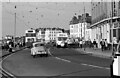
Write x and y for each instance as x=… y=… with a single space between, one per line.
x=41 y=52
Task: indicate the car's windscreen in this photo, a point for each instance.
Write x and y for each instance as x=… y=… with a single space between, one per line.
x=37 y=45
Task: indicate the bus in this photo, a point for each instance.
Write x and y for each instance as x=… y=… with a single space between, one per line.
x=30 y=37
x=61 y=39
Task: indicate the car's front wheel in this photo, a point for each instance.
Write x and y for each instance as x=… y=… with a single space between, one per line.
x=46 y=55
x=33 y=56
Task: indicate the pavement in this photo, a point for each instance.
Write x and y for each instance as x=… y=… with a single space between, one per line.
x=4 y=52
x=96 y=52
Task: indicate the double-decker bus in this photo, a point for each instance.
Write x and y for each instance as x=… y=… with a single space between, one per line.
x=61 y=39
x=30 y=37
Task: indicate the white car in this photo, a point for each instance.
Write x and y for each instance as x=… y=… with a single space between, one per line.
x=38 y=49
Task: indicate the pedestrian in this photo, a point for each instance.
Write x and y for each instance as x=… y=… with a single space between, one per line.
x=80 y=44
x=94 y=44
x=102 y=43
x=114 y=45
x=118 y=46
x=90 y=44
x=10 y=48
x=106 y=44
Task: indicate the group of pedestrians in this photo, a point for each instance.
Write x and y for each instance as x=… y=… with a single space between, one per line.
x=104 y=44
x=84 y=44
x=9 y=45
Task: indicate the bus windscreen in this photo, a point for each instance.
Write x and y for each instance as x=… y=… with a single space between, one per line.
x=62 y=38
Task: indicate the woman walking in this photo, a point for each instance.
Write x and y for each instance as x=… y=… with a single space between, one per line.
x=118 y=46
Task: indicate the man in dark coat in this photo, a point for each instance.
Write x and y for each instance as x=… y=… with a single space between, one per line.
x=102 y=43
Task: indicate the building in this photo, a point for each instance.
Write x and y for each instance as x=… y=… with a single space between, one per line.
x=105 y=20
x=80 y=28
x=47 y=34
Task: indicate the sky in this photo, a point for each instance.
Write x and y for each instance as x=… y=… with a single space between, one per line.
x=39 y=14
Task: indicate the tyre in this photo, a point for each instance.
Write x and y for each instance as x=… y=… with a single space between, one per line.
x=33 y=56
x=57 y=46
x=46 y=55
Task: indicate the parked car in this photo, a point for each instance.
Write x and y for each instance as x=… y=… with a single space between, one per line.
x=38 y=48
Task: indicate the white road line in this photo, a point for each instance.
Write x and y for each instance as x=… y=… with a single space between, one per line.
x=95 y=66
x=62 y=59
x=49 y=52
x=80 y=63
x=58 y=57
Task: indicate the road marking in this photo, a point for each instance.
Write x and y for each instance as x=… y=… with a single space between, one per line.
x=58 y=57
x=49 y=52
x=95 y=66
x=62 y=59
x=80 y=63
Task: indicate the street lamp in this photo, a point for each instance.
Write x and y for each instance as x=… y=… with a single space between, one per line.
x=15 y=27
x=84 y=26
x=111 y=25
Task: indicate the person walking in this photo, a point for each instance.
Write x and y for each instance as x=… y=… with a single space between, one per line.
x=80 y=44
x=94 y=44
x=106 y=44
x=118 y=46
x=90 y=44
x=10 y=48
x=102 y=43
x=114 y=44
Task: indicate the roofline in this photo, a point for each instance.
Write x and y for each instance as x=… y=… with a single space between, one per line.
x=103 y=21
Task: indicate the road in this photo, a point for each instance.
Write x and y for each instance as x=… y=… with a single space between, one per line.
x=61 y=62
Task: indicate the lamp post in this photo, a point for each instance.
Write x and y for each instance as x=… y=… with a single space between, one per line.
x=111 y=25
x=15 y=27
x=84 y=26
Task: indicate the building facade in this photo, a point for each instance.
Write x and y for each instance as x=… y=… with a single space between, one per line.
x=80 y=28
x=105 y=20
x=48 y=34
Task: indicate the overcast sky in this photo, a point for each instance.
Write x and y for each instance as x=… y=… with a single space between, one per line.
x=39 y=14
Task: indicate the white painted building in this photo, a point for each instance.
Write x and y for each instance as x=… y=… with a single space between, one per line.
x=80 y=30
x=48 y=34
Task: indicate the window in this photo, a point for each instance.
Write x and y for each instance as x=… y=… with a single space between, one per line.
x=71 y=31
x=42 y=32
x=30 y=35
x=30 y=31
x=71 y=26
x=62 y=38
